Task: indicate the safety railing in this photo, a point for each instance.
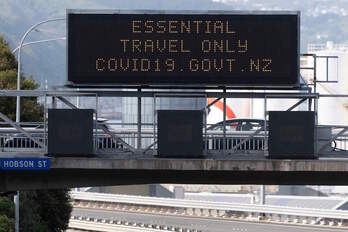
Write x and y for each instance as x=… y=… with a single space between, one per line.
x=341 y=143
x=13 y=141
x=330 y=139
x=142 y=137
x=235 y=141
x=97 y=224
x=208 y=205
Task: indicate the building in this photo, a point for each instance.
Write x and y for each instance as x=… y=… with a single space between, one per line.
x=332 y=73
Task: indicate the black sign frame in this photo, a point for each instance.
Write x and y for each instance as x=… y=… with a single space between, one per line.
x=292 y=82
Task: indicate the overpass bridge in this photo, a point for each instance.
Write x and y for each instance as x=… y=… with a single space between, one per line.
x=106 y=212
x=127 y=154
x=126 y=169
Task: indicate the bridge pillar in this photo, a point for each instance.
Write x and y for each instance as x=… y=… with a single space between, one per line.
x=214 y=213
x=202 y=212
x=187 y=211
x=296 y=219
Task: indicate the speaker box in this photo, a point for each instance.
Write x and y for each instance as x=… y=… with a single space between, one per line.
x=70 y=131
x=180 y=133
x=291 y=135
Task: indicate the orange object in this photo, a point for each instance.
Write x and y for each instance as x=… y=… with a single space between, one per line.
x=219 y=104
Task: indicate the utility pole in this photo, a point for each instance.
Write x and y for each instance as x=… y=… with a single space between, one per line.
x=18 y=103
x=16 y=202
x=262 y=195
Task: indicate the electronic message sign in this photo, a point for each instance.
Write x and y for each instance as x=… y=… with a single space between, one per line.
x=214 y=48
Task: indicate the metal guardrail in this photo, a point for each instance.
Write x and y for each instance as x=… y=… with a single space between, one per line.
x=94 y=224
x=334 y=139
x=142 y=137
x=13 y=141
x=179 y=203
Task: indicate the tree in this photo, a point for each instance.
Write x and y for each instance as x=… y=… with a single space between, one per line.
x=6 y=214
x=6 y=224
x=29 y=217
x=44 y=210
x=30 y=109
x=40 y=210
x=55 y=208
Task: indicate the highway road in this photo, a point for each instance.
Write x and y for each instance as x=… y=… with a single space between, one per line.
x=203 y=224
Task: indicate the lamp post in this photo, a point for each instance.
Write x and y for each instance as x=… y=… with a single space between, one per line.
x=38 y=41
x=18 y=105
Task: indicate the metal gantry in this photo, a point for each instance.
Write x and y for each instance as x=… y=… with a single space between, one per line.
x=32 y=136
x=137 y=139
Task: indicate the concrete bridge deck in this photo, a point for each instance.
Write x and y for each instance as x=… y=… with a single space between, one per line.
x=126 y=169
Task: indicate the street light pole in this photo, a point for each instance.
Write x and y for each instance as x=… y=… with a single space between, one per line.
x=38 y=41
x=16 y=202
x=18 y=105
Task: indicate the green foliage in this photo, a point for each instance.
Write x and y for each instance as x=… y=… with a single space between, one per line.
x=55 y=208
x=7 y=59
x=6 y=214
x=40 y=210
x=44 y=210
x=6 y=206
x=30 y=109
x=6 y=224
x=29 y=218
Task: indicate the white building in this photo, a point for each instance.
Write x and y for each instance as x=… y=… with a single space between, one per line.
x=332 y=74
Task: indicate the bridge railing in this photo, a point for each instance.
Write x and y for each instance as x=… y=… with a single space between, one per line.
x=329 y=139
x=335 y=139
x=32 y=137
x=13 y=141
x=332 y=138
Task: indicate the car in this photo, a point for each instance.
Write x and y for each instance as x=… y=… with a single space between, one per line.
x=237 y=130
x=242 y=124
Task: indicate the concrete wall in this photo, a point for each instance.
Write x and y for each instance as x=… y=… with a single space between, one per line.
x=149 y=190
x=137 y=190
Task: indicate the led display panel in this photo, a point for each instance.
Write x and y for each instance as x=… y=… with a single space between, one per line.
x=183 y=48
x=180 y=133
x=291 y=135
x=70 y=132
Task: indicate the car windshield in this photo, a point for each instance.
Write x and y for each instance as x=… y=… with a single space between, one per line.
x=249 y=126
x=239 y=125
x=230 y=126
